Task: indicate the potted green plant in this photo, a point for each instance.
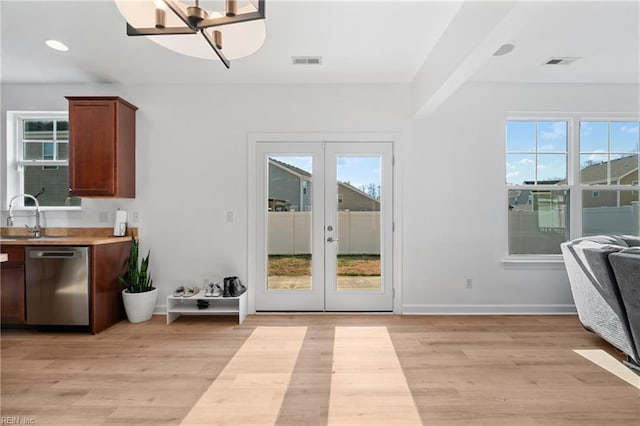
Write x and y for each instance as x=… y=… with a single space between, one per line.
x=138 y=294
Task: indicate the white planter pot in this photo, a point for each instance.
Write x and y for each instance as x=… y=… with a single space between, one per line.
x=139 y=306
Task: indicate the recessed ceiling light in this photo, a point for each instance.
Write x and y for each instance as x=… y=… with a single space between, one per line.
x=57 y=45
x=504 y=49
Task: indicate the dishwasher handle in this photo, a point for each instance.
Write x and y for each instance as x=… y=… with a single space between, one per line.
x=49 y=254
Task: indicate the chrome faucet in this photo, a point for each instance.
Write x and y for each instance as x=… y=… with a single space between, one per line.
x=36 y=229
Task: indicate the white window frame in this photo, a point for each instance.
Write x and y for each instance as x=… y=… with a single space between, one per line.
x=574 y=186
x=15 y=162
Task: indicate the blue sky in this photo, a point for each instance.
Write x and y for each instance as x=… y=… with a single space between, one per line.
x=359 y=171
x=595 y=138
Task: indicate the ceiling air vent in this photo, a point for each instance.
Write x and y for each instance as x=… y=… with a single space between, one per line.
x=306 y=60
x=561 y=60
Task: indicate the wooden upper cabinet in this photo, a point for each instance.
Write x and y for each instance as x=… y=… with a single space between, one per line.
x=102 y=147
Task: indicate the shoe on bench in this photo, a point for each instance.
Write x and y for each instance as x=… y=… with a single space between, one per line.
x=217 y=290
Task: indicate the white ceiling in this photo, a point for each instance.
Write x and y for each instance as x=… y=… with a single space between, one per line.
x=605 y=35
x=360 y=42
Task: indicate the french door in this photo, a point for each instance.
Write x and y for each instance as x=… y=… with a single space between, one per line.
x=324 y=227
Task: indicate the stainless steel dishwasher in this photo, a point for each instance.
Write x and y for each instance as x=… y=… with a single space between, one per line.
x=57 y=279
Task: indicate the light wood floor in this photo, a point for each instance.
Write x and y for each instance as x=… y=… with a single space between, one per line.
x=476 y=370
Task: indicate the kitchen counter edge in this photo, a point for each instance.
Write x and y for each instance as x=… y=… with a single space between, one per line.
x=65 y=241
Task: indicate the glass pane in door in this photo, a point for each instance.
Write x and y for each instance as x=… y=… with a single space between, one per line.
x=289 y=224
x=358 y=266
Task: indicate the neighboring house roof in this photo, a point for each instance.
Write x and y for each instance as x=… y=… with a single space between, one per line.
x=353 y=188
x=543 y=182
x=292 y=169
x=621 y=167
x=304 y=174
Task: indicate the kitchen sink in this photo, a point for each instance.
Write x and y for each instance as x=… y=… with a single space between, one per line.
x=27 y=238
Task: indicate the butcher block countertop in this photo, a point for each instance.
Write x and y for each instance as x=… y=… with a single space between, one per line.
x=63 y=237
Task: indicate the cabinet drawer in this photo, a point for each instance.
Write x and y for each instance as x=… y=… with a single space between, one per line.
x=15 y=254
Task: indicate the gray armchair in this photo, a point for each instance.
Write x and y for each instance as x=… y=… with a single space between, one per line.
x=626 y=267
x=599 y=300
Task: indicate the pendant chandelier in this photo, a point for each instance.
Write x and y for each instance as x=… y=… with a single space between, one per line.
x=192 y=30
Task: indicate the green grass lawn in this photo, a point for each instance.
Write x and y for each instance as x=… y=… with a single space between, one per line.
x=363 y=265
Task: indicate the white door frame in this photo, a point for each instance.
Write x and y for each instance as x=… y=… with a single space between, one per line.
x=252 y=255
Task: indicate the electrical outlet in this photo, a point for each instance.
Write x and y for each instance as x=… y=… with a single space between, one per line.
x=103 y=217
x=469 y=283
x=230 y=217
x=135 y=217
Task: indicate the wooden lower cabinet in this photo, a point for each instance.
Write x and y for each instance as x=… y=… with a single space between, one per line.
x=12 y=293
x=107 y=262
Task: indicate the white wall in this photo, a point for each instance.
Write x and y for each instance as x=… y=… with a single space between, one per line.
x=192 y=145
x=454 y=200
x=192 y=170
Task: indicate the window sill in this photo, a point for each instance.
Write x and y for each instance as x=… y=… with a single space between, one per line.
x=533 y=262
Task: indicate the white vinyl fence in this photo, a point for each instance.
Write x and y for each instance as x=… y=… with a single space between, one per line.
x=604 y=220
x=290 y=233
x=543 y=232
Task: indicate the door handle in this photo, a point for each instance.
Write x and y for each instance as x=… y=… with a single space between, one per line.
x=51 y=254
x=331 y=240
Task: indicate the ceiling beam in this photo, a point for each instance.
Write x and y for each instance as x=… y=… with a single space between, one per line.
x=475 y=33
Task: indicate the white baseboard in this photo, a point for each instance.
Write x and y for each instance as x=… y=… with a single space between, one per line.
x=488 y=310
x=466 y=310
